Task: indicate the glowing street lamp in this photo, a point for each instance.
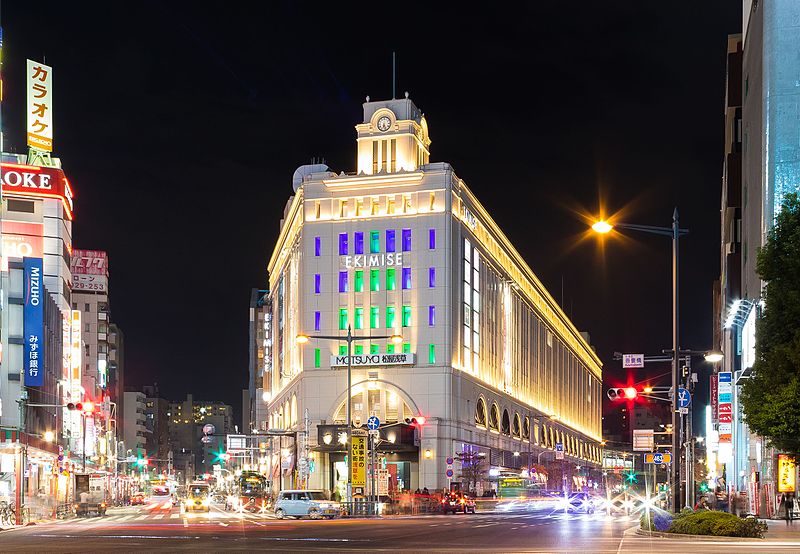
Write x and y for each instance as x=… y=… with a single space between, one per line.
x=602 y=227
x=714 y=356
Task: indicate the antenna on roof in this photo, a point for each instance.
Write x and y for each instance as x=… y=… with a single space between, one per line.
x=394 y=74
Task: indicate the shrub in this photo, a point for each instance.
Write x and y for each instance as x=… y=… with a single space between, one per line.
x=660 y=521
x=720 y=524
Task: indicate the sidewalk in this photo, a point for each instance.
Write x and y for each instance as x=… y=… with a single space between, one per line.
x=778 y=530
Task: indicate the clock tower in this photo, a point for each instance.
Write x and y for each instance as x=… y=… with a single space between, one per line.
x=392 y=138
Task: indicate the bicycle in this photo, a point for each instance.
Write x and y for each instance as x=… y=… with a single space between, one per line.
x=8 y=516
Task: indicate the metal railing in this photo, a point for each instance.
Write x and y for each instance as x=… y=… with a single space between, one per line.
x=361 y=508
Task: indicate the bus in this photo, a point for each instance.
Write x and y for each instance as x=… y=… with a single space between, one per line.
x=253 y=491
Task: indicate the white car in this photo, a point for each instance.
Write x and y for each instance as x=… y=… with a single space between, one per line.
x=301 y=503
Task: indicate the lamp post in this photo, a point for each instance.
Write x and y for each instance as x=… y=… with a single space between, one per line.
x=674 y=232
x=302 y=339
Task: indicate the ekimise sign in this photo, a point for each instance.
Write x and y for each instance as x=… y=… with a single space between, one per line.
x=36 y=182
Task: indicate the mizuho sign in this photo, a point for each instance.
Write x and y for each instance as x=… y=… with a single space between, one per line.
x=363 y=360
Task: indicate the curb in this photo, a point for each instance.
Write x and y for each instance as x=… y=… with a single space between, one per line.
x=679 y=536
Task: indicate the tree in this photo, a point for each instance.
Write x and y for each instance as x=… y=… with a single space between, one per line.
x=473 y=468
x=771 y=397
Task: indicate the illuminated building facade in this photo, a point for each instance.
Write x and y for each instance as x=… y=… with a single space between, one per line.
x=403 y=247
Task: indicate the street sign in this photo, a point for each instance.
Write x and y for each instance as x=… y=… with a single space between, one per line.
x=449 y=473
x=632 y=360
x=658 y=458
x=683 y=411
x=373 y=423
x=684 y=398
x=559 y=451
x=205 y=439
x=643 y=440
x=449 y=460
x=208 y=429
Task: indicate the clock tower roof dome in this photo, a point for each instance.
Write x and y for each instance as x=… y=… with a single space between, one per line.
x=402 y=108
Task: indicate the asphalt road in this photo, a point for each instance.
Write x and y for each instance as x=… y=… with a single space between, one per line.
x=160 y=527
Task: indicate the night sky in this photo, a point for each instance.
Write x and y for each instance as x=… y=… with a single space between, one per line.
x=180 y=124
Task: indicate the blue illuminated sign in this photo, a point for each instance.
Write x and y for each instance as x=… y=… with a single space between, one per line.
x=33 y=323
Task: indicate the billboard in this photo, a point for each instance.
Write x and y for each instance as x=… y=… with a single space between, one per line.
x=40 y=106
x=787 y=471
x=21 y=239
x=33 y=322
x=75 y=346
x=89 y=270
x=358 y=455
x=724 y=406
x=33 y=181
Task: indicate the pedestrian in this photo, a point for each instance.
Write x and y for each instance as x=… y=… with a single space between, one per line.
x=425 y=491
x=788 y=502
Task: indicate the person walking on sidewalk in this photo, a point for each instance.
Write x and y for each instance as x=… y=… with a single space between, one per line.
x=788 y=504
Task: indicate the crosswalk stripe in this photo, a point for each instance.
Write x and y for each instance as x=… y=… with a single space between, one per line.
x=159 y=516
x=174 y=516
x=140 y=518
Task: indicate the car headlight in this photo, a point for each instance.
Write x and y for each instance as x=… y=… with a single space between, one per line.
x=206 y=501
x=324 y=506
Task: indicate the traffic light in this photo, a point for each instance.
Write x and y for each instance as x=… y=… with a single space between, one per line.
x=87 y=407
x=622 y=393
x=142 y=462
x=630 y=477
x=416 y=422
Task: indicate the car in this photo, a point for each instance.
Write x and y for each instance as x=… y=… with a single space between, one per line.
x=302 y=503
x=197 y=498
x=576 y=502
x=458 y=502
x=137 y=500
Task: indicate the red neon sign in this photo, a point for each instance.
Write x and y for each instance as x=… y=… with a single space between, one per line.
x=32 y=181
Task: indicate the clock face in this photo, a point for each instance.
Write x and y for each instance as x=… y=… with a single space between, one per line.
x=384 y=123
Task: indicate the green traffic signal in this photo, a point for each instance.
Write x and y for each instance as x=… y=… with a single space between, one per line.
x=631 y=477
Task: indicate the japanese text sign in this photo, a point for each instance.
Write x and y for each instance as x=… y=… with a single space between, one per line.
x=632 y=360
x=358 y=461
x=33 y=322
x=40 y=106
x=89 y=270
x=787 y=470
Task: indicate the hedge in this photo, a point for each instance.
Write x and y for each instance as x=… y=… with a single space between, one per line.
x=706 y=522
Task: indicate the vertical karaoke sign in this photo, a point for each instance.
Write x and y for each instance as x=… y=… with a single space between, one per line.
x=33 y=323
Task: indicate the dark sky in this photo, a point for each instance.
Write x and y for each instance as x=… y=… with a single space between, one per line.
x=180 y=123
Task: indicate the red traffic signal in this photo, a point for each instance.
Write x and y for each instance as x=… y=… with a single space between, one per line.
x=622 y=393
x=88 y=407
x=417 y=421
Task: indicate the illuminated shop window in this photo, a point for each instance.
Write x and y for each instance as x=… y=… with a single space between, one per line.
x=343 y=350
x=343 y=244
x=389 y=279
x=432 y=239
x=358 y=242
x=317 y=357
x=406 y=278
x=316 y=283
x=342 y=281
x=390 y=240
x=317 y=320
x=406 y=240
x=431 y=316
x=431 y=353
x=375 y=280
x=374 y=349
x=342 y=319
x=374 y=317
x=406 y=316
x=431 y=277
x=358 y=281
x=389 y=317
x=359 y=319
x=406 y=348
x=317 y=246
x=374 y=242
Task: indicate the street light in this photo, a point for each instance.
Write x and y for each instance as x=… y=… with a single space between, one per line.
x=674 y=232
x=713 y=357
x=350 y=339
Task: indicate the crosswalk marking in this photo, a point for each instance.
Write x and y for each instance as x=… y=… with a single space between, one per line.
x=174 y=516
x=159 y=516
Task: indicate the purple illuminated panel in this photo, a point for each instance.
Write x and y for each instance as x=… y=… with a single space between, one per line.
x=317 y=320
x=432 y=239
x=342 y=281
x=390 y=240
x=431 y=277
x=343 y=244
x=406 y=278
x=406 y=239
x=316 y=283
x=317 y=246
x=431 y=315
x=358 y=239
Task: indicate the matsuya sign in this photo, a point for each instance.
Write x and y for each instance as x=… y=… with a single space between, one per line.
x=363 y=360
x=36 y=182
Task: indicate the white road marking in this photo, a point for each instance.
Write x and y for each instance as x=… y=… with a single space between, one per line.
x=174 y=516
x=159 y=516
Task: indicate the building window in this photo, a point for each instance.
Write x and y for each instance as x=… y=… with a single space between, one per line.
x=358 y=349
x=374 y=349
x=374 y=317
x=494 y=418
x=342 y=208
x=317 y=358
x=375 y=280
x=406 y=348
x=431 y=316
x=393 y=158
x=389 y=317
x=374 y=157
x=358 y=281
x=317 y=209
x=375 y=206
x=390 y=238
x=343 y=281
x=390 y=285
x=317 y=246
x=359 y=319
x=406 y=278
x=358 y=242
x=480 y=413
x=390 y=206
x=374 y=242
x=316 y=283
x=406 y=240
x=406 y=316
x=432 y=239
x=343 y=244
x=431 y=353
x=506 y=424
x=342 y=319
x=383 y=155
x=431 y=277
x=317 y=320
x=21 y=206
x=343 y=350
x=390 y=348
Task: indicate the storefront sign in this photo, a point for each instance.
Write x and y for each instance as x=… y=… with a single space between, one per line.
x=33 y=323
x=787 y=470
x=358 y=461
x=32 y=181
x=724 y=406
x=21 y=239
x=89 y=270
x=367 y=360
x=714 y=400
x=372 y=260
x=75 y=342
x=40 y=106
